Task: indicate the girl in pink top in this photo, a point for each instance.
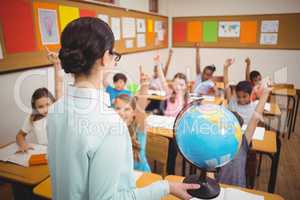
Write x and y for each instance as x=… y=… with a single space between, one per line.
x=177 y=93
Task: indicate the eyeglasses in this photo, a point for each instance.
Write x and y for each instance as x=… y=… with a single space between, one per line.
x=116 y=55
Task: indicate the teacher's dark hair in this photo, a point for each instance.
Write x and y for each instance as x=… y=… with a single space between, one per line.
x=83 y=41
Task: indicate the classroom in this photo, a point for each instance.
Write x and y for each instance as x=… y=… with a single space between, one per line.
x=149 y=99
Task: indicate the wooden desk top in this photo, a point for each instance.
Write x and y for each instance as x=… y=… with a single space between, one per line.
x=157 y=97
x=267 y=145
x=44 y=188
x=267 y=196
x=26 y=175
x=162 y=132
x=220 y=85
x=285 y=92
x=275 y=110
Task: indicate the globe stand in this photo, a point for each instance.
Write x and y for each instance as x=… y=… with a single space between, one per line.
x=209 y=187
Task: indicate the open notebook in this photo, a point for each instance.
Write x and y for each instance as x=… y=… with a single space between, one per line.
x=8 y=154
x=235 y=194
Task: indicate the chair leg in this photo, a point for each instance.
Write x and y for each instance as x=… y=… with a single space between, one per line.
x=183 y=167
x=259 y=165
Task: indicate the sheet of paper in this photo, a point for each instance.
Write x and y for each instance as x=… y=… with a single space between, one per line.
x=208 y=98
x=248 y=32
x=150 y=25
x=9 y=154
x=1 y=52
x=141 y=40
x=268 y=38
x=194 y=31
x=259 y=133
x=140 y=25
x=158 y=121
x=232 y=193
x=128 y=27
x=115 y=25
x=158 y=25
x=87 y=13
x=48 y=26
x=129 y=44
x=137 y=174
x=161 y=35
x=229 y=29
x=267 y=107
x=210 y=31
x=269 y=26
x=67 y=14
x=104 y=18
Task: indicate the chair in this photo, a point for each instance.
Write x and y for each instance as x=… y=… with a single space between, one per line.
x=157 y=150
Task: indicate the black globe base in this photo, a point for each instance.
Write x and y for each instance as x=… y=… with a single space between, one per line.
x=209 y=187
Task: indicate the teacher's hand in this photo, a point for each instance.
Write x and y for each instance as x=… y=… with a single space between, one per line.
x=180 y=190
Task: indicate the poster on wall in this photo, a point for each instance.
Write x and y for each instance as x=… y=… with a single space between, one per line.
x=129 y=44
x=229 y=29
x=268 y=38
x=115 y=25
x=48 y=26
x=128 y=27
x=140 y=40
x=269 y=26
x=104 y=18
x=1 y=52
x=140 y=26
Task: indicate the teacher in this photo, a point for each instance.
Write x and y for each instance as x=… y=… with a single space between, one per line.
x=89 y=147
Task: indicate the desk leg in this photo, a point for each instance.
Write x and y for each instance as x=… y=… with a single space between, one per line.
x=292 y=117
x=172 y=154
x=296 y=112
x=22 y=192
x=274 y=167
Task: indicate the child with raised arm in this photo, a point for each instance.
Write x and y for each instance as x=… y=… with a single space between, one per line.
x=204 y=84
x=234 y=173
x=132 y=111
x=239 y=98
x=155 y=83
x=35 y=124
x=256 y=80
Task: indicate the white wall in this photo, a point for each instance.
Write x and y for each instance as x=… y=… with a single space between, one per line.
x=142 y=5
x=266 y=61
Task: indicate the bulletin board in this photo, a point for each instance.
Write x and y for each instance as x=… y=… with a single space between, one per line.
x=269 y=31
x=26 y=26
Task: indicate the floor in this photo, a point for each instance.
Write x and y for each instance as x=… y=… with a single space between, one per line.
x=288 y=177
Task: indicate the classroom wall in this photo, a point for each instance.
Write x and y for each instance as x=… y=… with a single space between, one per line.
x=12 y=115
x=281 y=65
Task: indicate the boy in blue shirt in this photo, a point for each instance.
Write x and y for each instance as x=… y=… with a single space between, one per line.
x=120 y=81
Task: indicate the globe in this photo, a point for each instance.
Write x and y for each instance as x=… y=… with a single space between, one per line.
x=208 y=136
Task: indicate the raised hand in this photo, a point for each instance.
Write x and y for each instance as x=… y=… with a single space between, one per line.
x=248 y=61
x=52 y=56
x=144 y=78
x=229 y=62
x=23 y=148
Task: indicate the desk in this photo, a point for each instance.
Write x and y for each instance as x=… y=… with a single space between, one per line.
x=23 y=179
x=43 y=190
x=156 y=97
x=290 y=93
x=274 y=112
x=267 y=196
x=271 y=146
